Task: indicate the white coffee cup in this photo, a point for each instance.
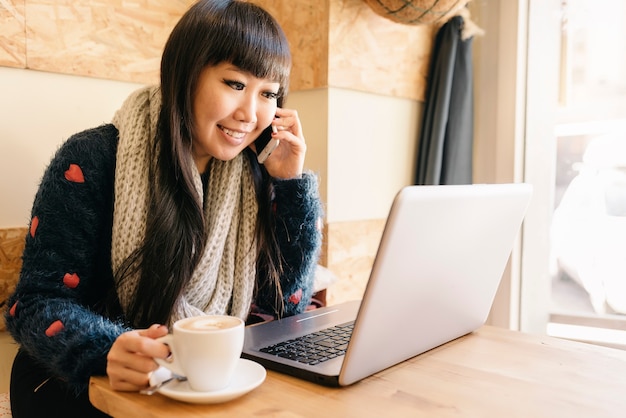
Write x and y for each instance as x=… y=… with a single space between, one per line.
x=205 y=349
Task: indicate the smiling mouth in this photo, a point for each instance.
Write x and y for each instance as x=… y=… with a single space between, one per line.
x=234 y=134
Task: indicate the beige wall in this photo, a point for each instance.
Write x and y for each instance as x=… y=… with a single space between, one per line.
x=39 y=111
x=43 y=109
x=362 y=156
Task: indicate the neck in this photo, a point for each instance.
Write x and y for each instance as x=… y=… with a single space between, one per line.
x=202 y=163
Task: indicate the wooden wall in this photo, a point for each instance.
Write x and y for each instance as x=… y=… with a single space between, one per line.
x=112 y=39
x=12 y=242
x=336 y=43
x=370 y=53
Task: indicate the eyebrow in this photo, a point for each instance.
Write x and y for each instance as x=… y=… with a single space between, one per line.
x=233 y=67
x=236 y=69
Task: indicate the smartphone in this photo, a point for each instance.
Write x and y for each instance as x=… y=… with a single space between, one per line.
x=265 y=144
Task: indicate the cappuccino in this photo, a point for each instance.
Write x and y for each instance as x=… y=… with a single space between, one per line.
x=209 y=323
x=206 y=349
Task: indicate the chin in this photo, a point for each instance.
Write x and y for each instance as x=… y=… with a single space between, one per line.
x=227 y=156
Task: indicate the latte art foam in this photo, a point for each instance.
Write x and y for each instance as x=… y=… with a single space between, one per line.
x=209 y=323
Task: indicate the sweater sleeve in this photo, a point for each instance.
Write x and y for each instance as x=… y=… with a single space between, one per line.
x=298 y=212
x=66 y=271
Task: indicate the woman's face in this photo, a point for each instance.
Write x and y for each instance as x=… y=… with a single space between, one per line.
x=231 y=109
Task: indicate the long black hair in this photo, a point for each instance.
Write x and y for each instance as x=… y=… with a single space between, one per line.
x=209 y=33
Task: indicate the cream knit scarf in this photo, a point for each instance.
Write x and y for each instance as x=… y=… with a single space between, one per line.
x=223 y=281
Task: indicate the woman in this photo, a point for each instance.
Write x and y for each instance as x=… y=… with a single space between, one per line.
x=166 y=213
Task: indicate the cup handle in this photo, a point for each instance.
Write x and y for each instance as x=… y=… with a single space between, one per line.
x=170 y=363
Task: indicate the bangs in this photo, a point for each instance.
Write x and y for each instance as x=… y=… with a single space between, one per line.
x=252 y=41
x=212 y=32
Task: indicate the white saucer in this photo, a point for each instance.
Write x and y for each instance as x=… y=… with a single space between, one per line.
x=248 y=376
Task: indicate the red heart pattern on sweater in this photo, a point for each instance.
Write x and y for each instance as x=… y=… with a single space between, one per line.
x=13 y=309
x=54 y=328
x=75 y=174
x=34 y=223
x=296 y=297
x=71 y=280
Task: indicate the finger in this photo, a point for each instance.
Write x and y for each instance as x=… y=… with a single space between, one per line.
x=296 y=142
x=155 y=331
x=124 y=360
x=131 y=351
x=132 y=376
x=289 y=135
x=282 y=112
x=135 y=342
x=286 y=119
x=130 y=381
x=286 y=124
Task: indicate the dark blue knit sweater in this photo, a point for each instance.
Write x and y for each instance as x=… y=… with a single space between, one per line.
x=56 y=312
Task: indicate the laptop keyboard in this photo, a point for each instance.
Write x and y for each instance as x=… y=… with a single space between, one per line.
x=316 y=347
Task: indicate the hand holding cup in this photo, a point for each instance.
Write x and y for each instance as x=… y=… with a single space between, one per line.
x=205 y=349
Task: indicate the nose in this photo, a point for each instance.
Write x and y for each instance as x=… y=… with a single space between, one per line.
x=246 y=110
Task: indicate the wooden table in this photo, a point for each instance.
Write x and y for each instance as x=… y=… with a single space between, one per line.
x=492 y=372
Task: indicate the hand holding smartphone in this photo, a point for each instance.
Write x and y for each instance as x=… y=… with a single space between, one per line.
x=265 y=144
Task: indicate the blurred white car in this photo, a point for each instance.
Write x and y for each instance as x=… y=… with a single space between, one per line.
x=588 y=230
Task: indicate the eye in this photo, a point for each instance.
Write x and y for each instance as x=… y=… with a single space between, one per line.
x=270 y=95
x=235 y=85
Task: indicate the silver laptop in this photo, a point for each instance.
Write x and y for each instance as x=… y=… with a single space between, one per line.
x=438 y=266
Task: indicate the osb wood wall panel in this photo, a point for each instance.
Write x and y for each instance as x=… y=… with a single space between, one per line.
x=12 y=242
x=351 y=249
x=112 y=39
x=12 y=34
x=373 y=54
x=337 y=43
x=305 y=23
x=343 y=43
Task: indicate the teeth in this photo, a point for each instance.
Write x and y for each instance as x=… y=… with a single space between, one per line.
x=234 y=134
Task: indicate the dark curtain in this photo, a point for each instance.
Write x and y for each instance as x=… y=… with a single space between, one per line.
x=446 y=139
